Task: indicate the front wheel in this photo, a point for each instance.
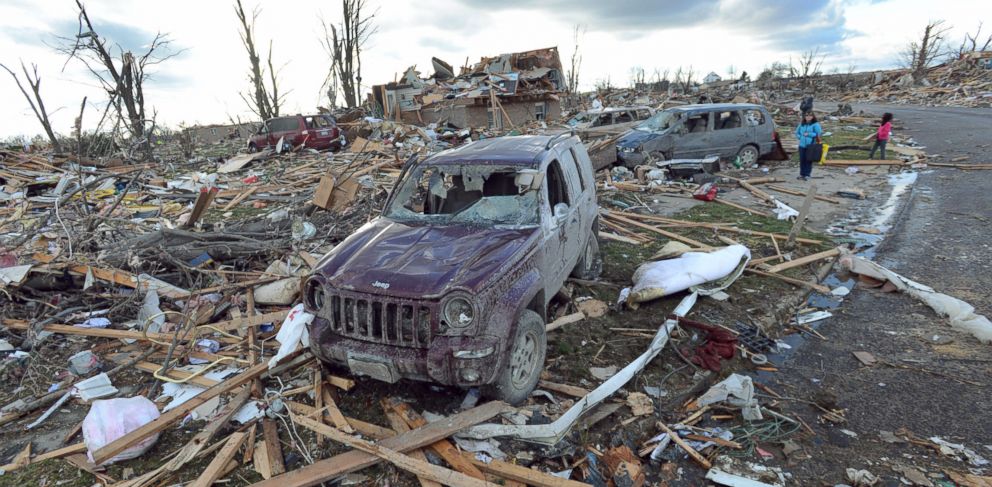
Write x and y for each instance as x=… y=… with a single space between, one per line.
x=525 y=361
x=748 y=155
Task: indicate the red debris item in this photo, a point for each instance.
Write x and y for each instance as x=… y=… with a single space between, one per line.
x=706 y=192
x=720 y=345
x=259 y=204
x=250 y=179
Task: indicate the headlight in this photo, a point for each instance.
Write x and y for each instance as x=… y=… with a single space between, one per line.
x=314 y=295
x=628 y=150
x=458 y=312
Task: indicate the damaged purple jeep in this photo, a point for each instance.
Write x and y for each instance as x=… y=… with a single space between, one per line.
x=452 y=283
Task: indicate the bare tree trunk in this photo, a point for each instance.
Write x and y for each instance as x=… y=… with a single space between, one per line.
x=124 y=84
x=261 y=102
x=39 y=108
x=345 y=46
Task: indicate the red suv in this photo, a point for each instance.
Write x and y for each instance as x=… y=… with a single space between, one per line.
x=318 y=132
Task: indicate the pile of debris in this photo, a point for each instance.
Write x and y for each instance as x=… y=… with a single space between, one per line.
x=964 y=82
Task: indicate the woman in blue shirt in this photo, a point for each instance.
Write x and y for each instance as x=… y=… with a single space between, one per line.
x=808 y=132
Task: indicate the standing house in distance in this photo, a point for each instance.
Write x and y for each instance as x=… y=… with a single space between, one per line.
x=215 y=133
x=525 y=87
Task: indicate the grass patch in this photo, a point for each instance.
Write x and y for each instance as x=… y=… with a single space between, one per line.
x=844 y=135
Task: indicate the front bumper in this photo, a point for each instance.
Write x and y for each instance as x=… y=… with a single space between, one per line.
x=390 y=363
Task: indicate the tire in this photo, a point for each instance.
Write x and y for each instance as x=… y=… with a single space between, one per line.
x=252 y=148
x=748 y=155
x=590 y=263
x=524 y=362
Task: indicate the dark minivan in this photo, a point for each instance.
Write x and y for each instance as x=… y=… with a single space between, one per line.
x=727 y=130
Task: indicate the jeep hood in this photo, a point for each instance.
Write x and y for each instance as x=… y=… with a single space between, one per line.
x=417 y=261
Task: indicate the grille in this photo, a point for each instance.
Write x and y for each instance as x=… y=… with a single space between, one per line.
x=382 y=320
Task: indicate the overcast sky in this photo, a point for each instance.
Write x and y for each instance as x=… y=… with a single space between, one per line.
x=201 y=85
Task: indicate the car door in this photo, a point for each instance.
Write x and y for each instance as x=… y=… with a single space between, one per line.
x=558 y=217
x=695 y=140
x=581 y=220
x=729 y=132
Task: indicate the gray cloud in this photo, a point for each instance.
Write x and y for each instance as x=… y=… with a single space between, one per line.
x=784 y=24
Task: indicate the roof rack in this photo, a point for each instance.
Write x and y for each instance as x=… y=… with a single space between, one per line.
x=554 y=139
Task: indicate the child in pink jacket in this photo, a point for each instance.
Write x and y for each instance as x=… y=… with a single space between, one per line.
x=882 y=136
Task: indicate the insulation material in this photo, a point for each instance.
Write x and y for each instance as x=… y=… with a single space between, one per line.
x=653 y=280
x=961 y=314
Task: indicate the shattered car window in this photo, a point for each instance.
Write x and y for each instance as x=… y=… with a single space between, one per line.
x=319 y=122
x=469 y=195
x=660 y=122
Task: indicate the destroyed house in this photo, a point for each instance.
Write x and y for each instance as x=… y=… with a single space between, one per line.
x=498 y=92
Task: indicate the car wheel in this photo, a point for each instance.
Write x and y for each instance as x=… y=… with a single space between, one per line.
x=590 y=263
x=748 y=155
x=525 y=361
x=252 y=148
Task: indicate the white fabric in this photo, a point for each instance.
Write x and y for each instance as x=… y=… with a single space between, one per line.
x=293 y=333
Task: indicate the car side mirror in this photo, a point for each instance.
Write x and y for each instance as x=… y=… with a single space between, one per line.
x=560 y=213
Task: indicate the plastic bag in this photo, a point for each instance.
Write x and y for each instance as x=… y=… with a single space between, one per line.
x=823 y=156
x=293 y=333
x=113 y=418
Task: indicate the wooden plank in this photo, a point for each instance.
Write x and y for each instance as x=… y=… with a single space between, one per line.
x=618 y=238
x=171 y=416
x=260 y=461
x=335 y=414
x=351 y=461
x=103 y=332
x=801 y=219
x=367 y=429
x=443 y=448
x=798 y=282
x=318 y=397
x=247 y=321
x=721 y=227
x=565 y=320
x=574 y=391
x=200 y=206
x=215 y=469
x=273 y=449
x=416 y=467
x=743 y=208
x=400 y=426
x=239 y=198
x=673 y=236
x=115 y=276
x=523 y=474
x=757 y=192
x=701 y=460
x=866 y=162
x=177 y=374
x=61 y=452
x=819 y=197
x=803 y=260
x=341 y=382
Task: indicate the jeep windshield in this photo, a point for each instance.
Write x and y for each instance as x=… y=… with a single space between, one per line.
x=659 y=122
x=475 y=195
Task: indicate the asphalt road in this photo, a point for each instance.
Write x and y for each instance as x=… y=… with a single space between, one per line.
x=941 y=238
